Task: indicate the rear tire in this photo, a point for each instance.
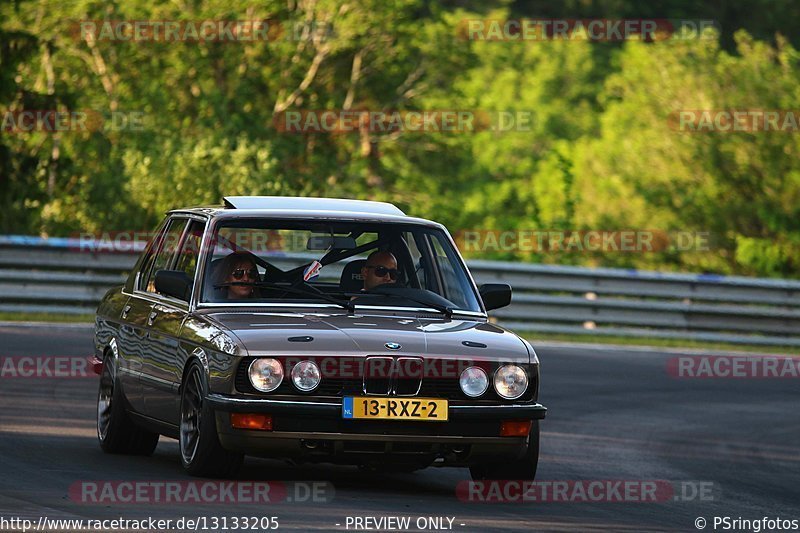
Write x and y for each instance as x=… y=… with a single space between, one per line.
x=519 y=469
x=201 y=453
x=116 y=432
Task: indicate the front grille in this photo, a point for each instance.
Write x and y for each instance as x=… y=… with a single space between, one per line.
x=378 y=375
x=408 y=376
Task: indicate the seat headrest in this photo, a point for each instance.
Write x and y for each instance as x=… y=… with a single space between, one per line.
x=209 y=292
x=352 y=280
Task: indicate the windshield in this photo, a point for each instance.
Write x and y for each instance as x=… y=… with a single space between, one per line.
x=339 y=263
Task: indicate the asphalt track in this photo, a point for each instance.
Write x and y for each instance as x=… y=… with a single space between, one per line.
x=614 y=414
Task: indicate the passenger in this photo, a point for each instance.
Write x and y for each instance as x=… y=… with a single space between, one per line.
x=381 y=267
x=238 y=267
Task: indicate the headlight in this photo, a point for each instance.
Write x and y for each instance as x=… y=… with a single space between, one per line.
x=266 y=374
x=510 y=381
x=473 y=381
x=306 y=376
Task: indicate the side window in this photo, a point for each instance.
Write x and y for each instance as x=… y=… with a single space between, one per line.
x=456 y=286
x=187 y=258
x=147 y=262
x=165 y=252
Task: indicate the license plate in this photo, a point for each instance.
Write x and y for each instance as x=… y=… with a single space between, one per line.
x=428 y=409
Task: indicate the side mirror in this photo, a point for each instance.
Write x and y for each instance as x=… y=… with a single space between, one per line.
x=495 y=295
x=175 y=283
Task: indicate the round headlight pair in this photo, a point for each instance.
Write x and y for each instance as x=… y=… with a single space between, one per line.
x=266 y=375
x=510 y=381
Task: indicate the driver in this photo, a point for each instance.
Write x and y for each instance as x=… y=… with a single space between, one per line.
x=238 y=267
x=380 y=268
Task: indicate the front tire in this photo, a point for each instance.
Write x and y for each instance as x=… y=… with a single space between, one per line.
x=116 y=432
x=519 y=469
x=201 y=453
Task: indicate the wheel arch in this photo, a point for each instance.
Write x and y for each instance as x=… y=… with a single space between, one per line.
x=198 y=355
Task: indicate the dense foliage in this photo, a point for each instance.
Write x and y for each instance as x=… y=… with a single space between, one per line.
x=601 y=151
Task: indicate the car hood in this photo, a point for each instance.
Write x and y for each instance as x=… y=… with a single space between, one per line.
x=263 y=333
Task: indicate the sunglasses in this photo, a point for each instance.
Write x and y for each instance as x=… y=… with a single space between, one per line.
x=239 y=273
x=381 y=271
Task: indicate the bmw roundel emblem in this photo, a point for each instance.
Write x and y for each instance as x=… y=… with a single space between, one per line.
x=392 y=345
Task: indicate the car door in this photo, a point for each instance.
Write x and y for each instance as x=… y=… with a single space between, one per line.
x=153 y=356
x=161 y=377
x=132 y=340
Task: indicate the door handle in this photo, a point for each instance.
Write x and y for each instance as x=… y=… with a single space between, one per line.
x=151 y=318
x=125 y=312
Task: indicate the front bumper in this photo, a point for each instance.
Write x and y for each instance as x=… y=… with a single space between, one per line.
x=237 y=404
x=315 y=430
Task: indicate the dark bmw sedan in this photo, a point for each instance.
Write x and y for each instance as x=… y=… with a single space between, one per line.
x=317 y=330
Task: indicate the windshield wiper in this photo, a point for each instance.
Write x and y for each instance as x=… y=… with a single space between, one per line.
x=444 y=309
x=307 y=291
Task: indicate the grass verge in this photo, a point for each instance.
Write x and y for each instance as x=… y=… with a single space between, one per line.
x=6 y=316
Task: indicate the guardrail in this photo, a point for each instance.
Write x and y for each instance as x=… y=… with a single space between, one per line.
x=56 y=276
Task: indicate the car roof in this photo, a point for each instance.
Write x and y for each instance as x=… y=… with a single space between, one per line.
x=302 y=208
x=321 y=204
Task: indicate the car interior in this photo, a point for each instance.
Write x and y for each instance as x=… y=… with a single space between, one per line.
x=338 y=251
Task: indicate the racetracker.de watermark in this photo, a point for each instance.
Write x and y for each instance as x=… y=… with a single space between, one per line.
x=204 y=30
x=46 y=366
x=70 y=121
x=581 y=241
x=735 y=120
x=409 y=367
x=182 y=492
x=587 y=491
x=329 y=121
x=734 y=367
x=468 y=241
x=149 y=523
x=590 y=29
